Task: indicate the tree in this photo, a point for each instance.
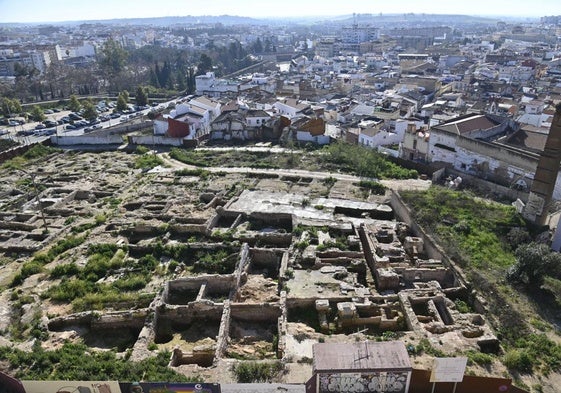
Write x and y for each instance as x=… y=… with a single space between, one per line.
x=113 y=57
x=37 y=113
x=74 y=105
x=533 y=262
x=122 y=102
x=141 y=96
x=258 y=46
x=10 y=106
x=205 y=64
x=191 y=81
x=89 y=110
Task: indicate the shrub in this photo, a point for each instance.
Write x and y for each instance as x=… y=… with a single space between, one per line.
x=68 y=269
x=218 y=262
x=202 y=173
x=172 y=266
x=375 y=187
x=147 y=161
x=254 y=372
x=301 y=245
x=519 y=360
x=69 y=290
x=483 y=359
x=141 y=150
x=462 y=306
x=78 y=362
x=131 y=283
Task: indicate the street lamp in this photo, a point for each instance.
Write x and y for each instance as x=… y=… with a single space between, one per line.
x=32 y=175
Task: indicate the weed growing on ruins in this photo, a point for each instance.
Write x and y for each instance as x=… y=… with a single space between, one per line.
x=329 y=181
x=339 y=243
x=254 y=372
x=78 y=362
x=203 y=174
x=533 y=352
x=215 y=263
x=147 y=161
x=188 y=157
x=462 y=306
x=480 y=358
x=67 y=269
x=374 y=186
x=82 y=288
x=426 y=347
x=302 y=245
x=35 y=265
x=518 y=360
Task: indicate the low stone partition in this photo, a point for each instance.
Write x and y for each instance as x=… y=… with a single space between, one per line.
x=223 y=332
x=259 y=312
x=188 y=289
x=70 y=140
x=183 y=315
x=91 y=319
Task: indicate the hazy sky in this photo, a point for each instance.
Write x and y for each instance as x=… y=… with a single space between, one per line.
x=64 y=10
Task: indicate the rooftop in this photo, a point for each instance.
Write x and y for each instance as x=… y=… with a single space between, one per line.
x=366 y=355
x=467 y=124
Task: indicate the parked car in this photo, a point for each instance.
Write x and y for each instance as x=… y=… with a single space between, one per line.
x=40 y=126
x=92 y=128
x=70 y=127
x=74 y=116
x=25 y=132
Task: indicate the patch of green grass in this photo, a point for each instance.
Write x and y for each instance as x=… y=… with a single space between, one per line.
x=35 y=265
x=147 y=161
x=473 y=231
x=476 y=357
x=79 y=362
x=364 y=162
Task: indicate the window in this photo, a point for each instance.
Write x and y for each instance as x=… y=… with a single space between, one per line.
x=414 y=144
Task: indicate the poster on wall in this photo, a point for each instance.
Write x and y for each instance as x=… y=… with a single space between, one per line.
x=160 y=387
x=448 y=369
x=71 y=387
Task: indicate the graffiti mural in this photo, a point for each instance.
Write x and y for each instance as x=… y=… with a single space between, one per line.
x=390 y=382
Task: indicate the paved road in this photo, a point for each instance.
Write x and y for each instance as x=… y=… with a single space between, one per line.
x=409 y=184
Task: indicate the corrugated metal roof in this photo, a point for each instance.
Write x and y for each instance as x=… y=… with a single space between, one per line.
x=366 y=355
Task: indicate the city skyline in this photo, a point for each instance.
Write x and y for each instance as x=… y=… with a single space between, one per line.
x=33 y=11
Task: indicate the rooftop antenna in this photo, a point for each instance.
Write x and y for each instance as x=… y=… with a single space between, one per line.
x=367 y=354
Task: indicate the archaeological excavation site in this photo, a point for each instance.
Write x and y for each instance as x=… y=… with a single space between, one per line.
x=217 y=267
